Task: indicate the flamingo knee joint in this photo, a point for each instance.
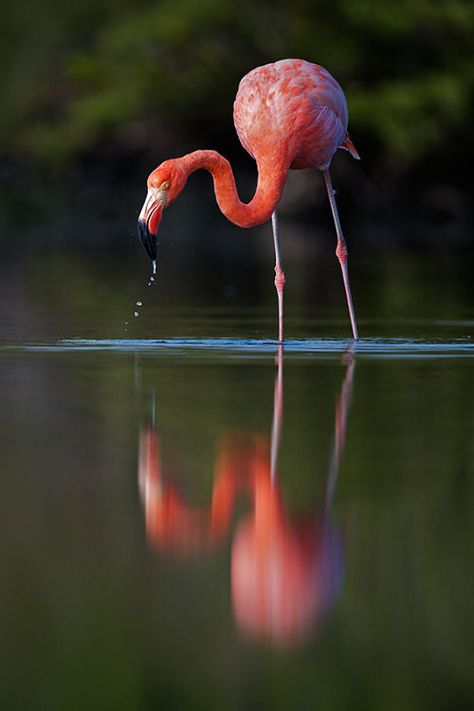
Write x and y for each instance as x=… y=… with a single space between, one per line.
x=341 y=253
x=280 y=279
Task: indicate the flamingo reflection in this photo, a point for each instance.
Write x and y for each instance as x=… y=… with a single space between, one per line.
x=285 y=570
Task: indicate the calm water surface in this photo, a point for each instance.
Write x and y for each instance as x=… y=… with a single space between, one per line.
x=217 y=524
x=193 y=518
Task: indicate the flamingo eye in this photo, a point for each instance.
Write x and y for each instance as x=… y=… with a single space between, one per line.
x=164 y=186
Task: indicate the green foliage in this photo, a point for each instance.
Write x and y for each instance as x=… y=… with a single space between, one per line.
x=134 y=72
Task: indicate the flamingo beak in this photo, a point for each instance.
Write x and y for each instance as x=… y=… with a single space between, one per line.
x=149 y=220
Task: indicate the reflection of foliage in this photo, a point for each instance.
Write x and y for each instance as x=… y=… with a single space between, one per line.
x=77 y=74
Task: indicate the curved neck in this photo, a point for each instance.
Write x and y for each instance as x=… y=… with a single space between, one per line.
x=271 y=179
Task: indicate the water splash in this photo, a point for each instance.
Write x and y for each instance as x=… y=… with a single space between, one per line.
x=152 y=279
x=136 y=313
x=139 y=302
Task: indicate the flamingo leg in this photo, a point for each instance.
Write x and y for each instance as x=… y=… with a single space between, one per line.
x=277 y=414
x=279 y=275
x=341 y=252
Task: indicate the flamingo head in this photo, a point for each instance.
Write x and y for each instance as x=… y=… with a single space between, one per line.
x=164 y=184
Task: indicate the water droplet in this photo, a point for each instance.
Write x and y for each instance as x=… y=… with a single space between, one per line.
x=139 y=303
x=136 y=314
x=154 y=266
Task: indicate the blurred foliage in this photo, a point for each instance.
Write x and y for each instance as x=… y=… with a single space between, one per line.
x=141 y=74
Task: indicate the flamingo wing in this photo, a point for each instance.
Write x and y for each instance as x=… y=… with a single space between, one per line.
x=291 y=111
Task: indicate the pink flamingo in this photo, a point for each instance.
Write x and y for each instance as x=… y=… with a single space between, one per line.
x=286 y=569
x=288 y=115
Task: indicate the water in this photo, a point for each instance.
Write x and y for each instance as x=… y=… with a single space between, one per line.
x=195 y=518
x=395 y=348
x=152 y=278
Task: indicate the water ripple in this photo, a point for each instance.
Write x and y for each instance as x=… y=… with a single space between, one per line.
x=370 y=347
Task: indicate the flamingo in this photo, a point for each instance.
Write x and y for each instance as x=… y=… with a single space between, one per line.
x=285 y=569
x=290 y=114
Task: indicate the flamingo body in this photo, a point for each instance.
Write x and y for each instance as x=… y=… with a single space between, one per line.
x=291 y=112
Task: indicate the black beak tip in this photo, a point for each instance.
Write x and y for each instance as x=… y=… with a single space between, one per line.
x=148 y=240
